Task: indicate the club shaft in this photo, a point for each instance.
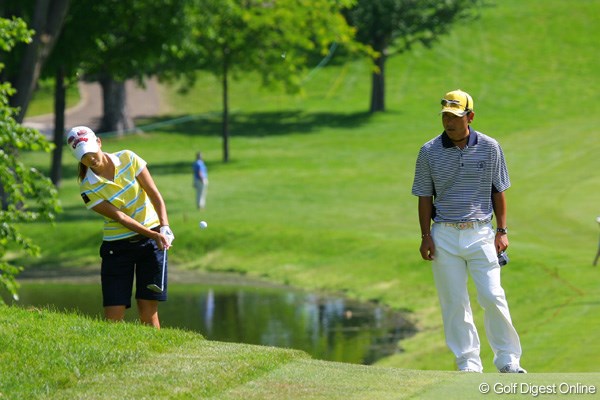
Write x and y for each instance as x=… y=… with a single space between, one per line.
x=162 y=281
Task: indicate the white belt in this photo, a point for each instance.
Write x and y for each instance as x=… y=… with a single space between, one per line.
x=465 y=225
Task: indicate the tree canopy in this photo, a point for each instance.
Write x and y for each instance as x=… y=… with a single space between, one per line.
x=394 y=26
x=274 y=39
x=115 y=40
x=28 y=194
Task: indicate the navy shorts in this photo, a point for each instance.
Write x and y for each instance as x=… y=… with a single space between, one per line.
x=122 y=260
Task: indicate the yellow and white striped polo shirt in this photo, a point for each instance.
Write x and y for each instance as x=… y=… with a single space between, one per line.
x=124 y=192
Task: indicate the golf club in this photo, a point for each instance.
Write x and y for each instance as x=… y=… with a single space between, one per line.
x=154 y=287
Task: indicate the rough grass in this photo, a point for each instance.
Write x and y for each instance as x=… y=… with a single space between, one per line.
x=64 y=356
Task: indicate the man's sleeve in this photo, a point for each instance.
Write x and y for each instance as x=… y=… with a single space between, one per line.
x=423 y=183
x=501 y=181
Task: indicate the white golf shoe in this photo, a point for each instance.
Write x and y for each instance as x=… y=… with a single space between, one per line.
x=512 y=369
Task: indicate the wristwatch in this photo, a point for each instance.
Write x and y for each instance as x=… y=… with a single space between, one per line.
x=503 y=231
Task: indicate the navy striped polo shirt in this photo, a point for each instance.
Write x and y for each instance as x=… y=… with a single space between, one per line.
x=461 y=180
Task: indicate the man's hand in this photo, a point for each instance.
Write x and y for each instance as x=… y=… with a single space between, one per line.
x=501 y=242
x=427 y=248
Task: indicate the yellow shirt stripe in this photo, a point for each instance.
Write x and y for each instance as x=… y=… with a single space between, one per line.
x=124 y=192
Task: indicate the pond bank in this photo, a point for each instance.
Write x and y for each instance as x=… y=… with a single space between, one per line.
x=176 y=276
x=233 y=308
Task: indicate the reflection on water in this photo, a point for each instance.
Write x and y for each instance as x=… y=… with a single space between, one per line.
x=328 y=328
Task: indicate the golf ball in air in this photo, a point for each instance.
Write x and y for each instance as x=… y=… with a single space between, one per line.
x=203 y=224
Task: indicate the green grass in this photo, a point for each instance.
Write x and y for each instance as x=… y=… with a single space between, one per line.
x=65 y=356
x=317 y=195
x=43 y=99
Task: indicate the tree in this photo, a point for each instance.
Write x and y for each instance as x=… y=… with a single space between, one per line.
x=132 y=39
x=394 y=26
x=30 y=196
x=111 y=41
x=45 y=18
x=24 y=67
x=273 y=38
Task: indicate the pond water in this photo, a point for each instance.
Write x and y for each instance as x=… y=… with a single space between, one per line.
x=326 y=327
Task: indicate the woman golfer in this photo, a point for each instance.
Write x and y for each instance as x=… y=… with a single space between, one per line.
x=119 y=187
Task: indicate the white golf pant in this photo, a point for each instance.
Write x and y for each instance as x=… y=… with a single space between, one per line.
x=463 y=252
x=200 y=192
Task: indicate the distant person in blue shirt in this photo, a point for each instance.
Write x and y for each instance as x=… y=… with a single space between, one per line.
x=200 y=181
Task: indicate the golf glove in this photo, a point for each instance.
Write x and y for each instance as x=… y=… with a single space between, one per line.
x=165 y=230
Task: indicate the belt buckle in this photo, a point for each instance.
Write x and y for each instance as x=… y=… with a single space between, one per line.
x=464 y=225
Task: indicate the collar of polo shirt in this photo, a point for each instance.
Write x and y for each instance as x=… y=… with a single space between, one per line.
x=93 y=177
x=472 y=139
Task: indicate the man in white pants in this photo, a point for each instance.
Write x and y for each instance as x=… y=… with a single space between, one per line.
x=460 y=179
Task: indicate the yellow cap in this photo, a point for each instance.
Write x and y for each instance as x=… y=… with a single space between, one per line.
x=457 y=102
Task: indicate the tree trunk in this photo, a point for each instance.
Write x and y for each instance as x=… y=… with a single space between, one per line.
x=378 y=86
x=59 y=126
x=115 y=116
x=3 y=198
x=47 y=21
x=225 y=110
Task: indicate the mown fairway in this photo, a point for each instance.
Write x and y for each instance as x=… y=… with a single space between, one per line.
x=317 y=193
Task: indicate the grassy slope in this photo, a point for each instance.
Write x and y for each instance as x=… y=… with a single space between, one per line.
x=320 y=198
x=61 y=356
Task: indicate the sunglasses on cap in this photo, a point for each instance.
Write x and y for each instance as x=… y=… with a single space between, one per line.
x=450 y=103
x=455 y=104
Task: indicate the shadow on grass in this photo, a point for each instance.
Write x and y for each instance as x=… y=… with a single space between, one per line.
x=261 y=124
x=256 y=124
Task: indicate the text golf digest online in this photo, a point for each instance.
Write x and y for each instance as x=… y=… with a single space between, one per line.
x=536 y=390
